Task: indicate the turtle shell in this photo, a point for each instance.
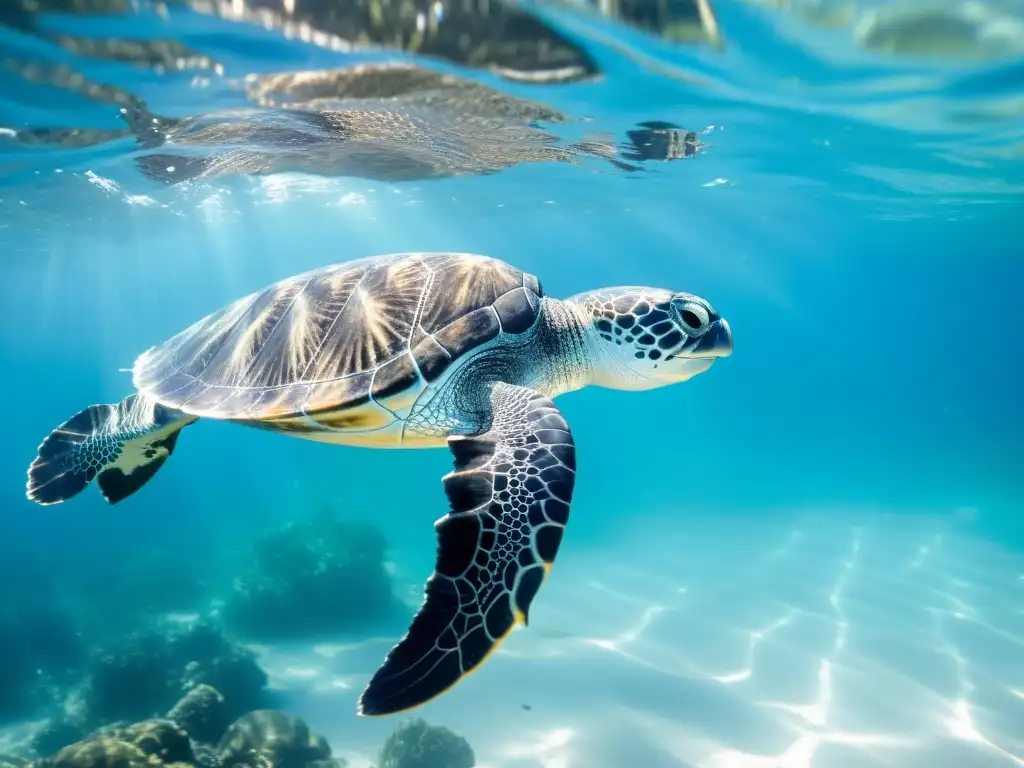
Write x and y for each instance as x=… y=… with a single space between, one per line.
x=331 y=339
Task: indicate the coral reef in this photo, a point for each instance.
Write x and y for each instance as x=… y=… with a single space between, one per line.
x=415 y=744
x=147 y=744
x=101 y=752
x=261 y=739
x=203 y=713
x=144 y=674
x=196 y=733
x=66 y=605
x=160 y=738
x=271 y=737
x=318 y=575
x=122 y=684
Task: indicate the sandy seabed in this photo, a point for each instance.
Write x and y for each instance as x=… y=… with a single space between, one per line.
x=824 y=641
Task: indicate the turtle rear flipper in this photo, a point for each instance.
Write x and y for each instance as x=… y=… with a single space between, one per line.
x=124 y=445
x=510 y=495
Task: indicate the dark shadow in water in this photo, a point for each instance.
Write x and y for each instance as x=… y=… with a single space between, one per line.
x=485 y=34
x=161 y=55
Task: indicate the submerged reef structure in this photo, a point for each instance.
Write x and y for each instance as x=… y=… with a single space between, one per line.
x=147 y=674
x=264 y=738
x=318 y=575
x=260 y=739
x=272 y=737
x=416 y=744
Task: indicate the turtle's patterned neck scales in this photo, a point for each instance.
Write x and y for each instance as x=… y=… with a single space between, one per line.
x=554 y=359
x=565 y=358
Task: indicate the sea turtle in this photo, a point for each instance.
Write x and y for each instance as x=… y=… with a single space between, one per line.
x=404 y=351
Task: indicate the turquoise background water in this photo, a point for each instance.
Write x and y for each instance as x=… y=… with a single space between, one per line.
x=844 y=217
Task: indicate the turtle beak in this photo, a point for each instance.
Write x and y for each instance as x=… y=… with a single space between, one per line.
x=716 y=341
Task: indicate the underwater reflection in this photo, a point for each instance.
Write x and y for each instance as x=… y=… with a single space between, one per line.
x=390 y=122
x=384 y=122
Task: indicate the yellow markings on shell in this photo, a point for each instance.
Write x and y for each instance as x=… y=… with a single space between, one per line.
x=286 y=418
x=383 y=438
x=389 y=437
x=362 y=417
x=402 y=400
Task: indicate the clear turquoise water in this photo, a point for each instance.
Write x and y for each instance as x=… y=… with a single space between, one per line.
x=809 y=556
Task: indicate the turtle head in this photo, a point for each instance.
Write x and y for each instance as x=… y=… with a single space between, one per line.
x=642 y=338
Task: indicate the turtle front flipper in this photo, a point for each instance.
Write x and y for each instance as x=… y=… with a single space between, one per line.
x=510 y=495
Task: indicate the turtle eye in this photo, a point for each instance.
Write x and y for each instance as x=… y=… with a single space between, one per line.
x=692 y=316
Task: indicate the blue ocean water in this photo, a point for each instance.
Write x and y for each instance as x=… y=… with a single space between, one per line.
x=810 y=555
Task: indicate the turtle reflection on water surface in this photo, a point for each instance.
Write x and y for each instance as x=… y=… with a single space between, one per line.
x=385 y=122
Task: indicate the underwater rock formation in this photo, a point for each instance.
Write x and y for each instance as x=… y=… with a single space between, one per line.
x=203 y=713
x=100 y=752
x=260 y=739
x=415 y=744
x=146 y=674
x=229 y=668
x=160 y=738
x=318 y=575
x=58 y=732
x=272 y=737
x=147 y=744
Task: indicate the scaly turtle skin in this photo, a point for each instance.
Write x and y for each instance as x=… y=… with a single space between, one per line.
x=403 y=351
